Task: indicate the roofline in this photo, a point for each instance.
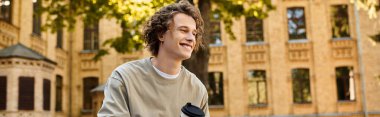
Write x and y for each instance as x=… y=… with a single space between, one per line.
x=15 y=56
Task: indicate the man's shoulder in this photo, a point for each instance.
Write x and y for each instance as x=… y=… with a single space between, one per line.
x=195 y=81
x=132 y=66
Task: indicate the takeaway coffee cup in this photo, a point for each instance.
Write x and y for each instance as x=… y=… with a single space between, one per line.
x=191 y=111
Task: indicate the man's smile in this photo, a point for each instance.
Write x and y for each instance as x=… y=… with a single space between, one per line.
x=186 y=45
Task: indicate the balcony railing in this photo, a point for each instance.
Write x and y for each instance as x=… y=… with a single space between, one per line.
x=38 y=44
x=343 y=49
x=256 y=53
x=87 y=63
x=61 y=58
x=217 y=55
x=25 y=114
x=299 y=51
x=8 y=34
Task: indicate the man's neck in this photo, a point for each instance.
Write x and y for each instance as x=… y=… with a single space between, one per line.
x=166 y=64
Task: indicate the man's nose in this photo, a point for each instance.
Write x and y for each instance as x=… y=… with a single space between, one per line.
x=190 y=37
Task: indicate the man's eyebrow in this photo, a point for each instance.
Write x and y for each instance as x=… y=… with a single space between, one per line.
x=183 y=27
x=186 y=28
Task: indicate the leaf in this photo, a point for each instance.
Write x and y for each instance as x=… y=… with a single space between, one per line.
x=376 y=37
x=132 y=15
x=100 y=54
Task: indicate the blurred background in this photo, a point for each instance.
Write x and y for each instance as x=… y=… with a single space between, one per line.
x=261 y=57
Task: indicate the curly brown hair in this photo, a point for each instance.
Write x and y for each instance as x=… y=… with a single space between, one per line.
x=158 y=24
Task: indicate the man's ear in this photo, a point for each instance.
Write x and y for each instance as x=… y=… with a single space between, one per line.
x=161 y=36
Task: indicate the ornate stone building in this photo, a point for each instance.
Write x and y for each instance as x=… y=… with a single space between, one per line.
x=305 y=59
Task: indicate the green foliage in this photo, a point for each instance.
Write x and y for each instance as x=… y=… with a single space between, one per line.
x=132 y=14
x=370 y=6
x=229 y=9
x=340 y=23
x=376 y=37
x=101 y=52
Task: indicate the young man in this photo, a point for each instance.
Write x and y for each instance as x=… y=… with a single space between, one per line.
x=159 y=86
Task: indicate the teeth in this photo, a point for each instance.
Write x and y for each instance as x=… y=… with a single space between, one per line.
x=187 y=46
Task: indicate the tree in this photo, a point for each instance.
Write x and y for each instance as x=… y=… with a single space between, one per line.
x=132 y=14
x=371 y=7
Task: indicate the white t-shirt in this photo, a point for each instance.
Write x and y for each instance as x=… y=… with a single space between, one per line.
x=165 y=75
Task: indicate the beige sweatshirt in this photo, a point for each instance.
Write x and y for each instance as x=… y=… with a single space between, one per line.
x=135 y=89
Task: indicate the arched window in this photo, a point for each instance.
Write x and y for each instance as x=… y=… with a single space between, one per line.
x=59 y=38
x=296 y=23
x=6 y=10
x=215 y=91
x=36 y=17
x=89 y=83
x=58 y=94
x=301 y=85
x=91 y=37
x=3 y=92
x=257 y=87
x=254 y=29
x=345 y=83
x=46 y=94
x=340 y=21
x=26 y=93
x=215 y=37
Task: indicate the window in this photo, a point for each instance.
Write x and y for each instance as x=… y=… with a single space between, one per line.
x=254 y=28
x=215 y=91
x=58 y=94
x=345 y=83
x=215 y=38
x=46 y=94
x=296 y=23
x=59 y=38
x=340 y=23
x=26 y=93
x=36 y=17
x=257 y=87
x=6 y=10
x=91 y=36
x=88 y=84
x=3 y=92
x=301 y=85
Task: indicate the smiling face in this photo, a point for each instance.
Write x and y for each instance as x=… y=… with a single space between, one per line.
x=179 y=40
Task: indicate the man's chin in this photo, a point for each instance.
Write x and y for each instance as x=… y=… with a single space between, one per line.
x=185 y=57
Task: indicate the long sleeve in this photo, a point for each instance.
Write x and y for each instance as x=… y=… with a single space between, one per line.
x=204 y=106
x=115 y=101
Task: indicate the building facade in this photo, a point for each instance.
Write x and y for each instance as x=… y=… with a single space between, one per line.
x=304 y=59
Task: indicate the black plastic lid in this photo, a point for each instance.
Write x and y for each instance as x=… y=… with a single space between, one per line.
x=192 y=111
